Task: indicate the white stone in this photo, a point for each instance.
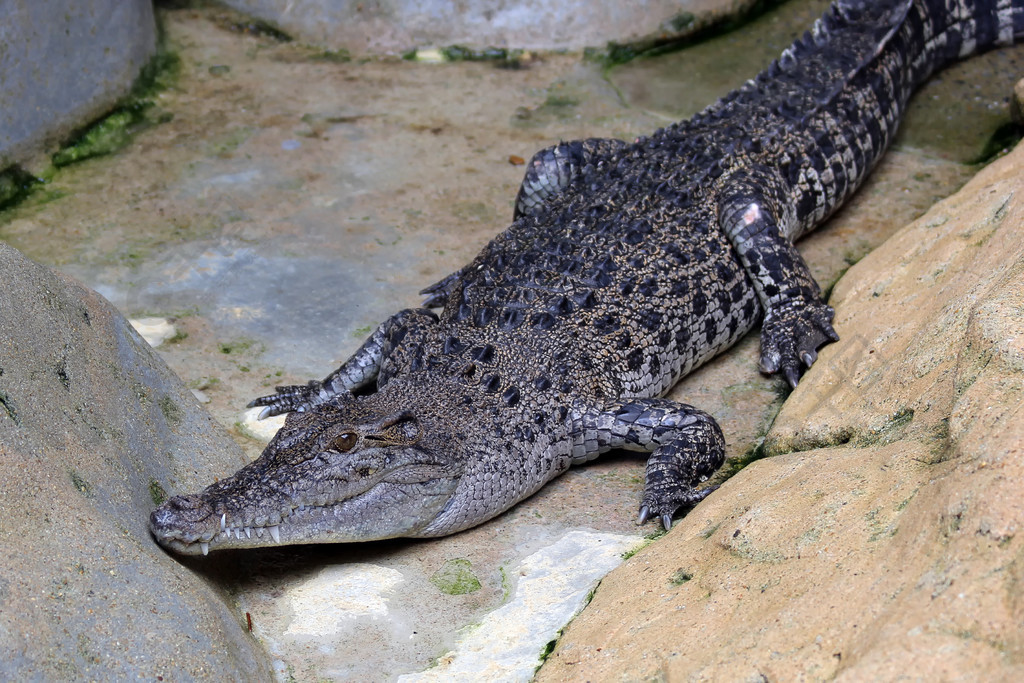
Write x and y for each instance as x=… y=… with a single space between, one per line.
x=336 y=594
x=265 y=429
x=553 y=586
x=154 y=330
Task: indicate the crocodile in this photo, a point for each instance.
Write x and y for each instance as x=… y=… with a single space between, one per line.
x=626 y=266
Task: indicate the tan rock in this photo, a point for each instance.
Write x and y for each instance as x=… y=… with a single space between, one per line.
x=884 y=536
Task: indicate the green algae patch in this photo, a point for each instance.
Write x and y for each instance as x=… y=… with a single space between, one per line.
x=80 y=484
x=157 y=492
x=137 y=111
x=680 y=577
x=171 y=410
x=105 y=137
x=456 y=577
x=500 y=56
x=16 y=184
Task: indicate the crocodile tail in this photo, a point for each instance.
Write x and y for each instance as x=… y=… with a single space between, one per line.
x=954 y=29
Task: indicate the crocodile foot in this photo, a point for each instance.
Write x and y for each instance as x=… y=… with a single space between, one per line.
x=664 y=504
x=791 y=334
x=295 y=398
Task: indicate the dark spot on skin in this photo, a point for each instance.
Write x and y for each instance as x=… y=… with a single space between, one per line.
x=541 y=384
x=482 y=354
x=511 y=318
x=543 y=321
x=561 y=306
x=648 y=287
x=606 y=323
x=511 y=396
x=483 y=316
x=453 y=346
x=491 y=383
x=585 y=299
x=650 y=320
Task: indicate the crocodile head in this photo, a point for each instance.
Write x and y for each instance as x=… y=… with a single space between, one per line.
x=349 y=470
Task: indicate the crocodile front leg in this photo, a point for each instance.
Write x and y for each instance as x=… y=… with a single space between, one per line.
x=554 y=168
x=796 y=319
x=686 y=447
x=377 y=359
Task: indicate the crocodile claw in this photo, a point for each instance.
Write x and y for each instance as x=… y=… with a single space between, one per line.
x=791 y=335
x=292 y=398
x=645 y=512
x=642 y=517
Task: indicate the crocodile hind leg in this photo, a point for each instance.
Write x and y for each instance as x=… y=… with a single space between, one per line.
x=796 y=320
x=686 y=447
x=554 y=168
x=376 y=359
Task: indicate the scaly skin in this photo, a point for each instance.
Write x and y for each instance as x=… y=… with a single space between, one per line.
x=627 y=265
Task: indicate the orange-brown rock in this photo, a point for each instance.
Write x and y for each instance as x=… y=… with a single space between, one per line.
x=883 y=538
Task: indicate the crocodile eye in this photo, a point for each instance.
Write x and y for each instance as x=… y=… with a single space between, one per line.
x=344 y=442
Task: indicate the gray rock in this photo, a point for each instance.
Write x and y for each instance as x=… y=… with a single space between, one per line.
x=63 y=63
x=94 y=429
x=384 y=26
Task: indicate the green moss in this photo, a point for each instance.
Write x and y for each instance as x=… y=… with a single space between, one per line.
x=80 y=484
x=179 y=336
x=1002 y=140
x=680 y=577
x=560 y=101
x=634 y=550
x=682 y=21
x=108 y=134
x=15 y=185
x=710 y=531
x=500 y=55
x=237 y=346
x=456 y=577
x=104 y=137
x=116 y=130
x=157 y=492
x=506 y=584
x=334 y=56
x=259 y=29
x=224 y=146
x=171 y=410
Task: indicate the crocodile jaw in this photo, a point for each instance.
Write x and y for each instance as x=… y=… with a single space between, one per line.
x=196 y=524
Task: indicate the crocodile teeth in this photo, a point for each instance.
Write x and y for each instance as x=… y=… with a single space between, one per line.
x=259 y=532
x=248 y=532
x=205 y=547
x=223 y=521
x=275 y=533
